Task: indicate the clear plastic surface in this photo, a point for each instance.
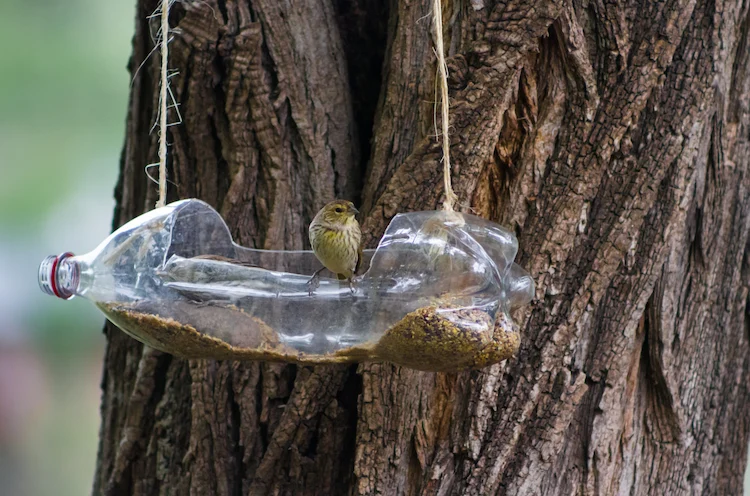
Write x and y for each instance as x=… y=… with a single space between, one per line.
x=436 y=294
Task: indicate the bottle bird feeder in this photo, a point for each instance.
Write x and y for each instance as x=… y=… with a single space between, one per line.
x=437 y=294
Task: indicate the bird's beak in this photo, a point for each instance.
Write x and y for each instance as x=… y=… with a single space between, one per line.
x=353 y=210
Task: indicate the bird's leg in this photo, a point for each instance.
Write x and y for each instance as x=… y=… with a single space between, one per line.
x=351 y=284
x=314 y=281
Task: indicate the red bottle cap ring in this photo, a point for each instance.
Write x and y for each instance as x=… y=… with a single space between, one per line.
x=48 y=279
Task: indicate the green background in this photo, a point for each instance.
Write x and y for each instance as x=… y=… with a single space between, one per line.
x=63 y=99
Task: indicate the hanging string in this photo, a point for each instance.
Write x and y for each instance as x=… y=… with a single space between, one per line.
x=450 y=196
x=163 y=105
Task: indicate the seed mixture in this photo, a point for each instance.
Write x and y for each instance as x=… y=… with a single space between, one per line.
x=429 y=338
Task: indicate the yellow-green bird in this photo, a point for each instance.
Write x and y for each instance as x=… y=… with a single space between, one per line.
x=336 y=239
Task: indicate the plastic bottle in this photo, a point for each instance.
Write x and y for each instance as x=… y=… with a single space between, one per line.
x=436 y=295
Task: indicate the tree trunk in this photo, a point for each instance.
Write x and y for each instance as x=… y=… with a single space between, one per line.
x=614 y=137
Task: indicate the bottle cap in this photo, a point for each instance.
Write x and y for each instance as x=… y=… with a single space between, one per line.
x=56 y=278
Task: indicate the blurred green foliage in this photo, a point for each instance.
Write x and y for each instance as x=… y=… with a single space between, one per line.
x=63 y=100
x=63 y=90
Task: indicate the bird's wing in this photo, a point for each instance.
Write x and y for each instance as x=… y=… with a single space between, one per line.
x=360 y=255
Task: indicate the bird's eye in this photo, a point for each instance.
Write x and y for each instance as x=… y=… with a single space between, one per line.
x=339 y=210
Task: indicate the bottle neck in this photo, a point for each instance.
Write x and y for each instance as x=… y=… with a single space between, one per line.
x=59 y=275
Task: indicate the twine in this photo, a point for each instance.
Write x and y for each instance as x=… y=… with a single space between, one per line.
x=163 y=105
x=450 y=196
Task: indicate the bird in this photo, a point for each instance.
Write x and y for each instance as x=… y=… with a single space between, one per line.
x=336 y=238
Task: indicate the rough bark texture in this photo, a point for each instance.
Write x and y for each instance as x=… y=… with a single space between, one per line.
x=614 y=137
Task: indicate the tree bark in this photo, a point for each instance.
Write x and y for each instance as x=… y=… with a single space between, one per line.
x=614 y=137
